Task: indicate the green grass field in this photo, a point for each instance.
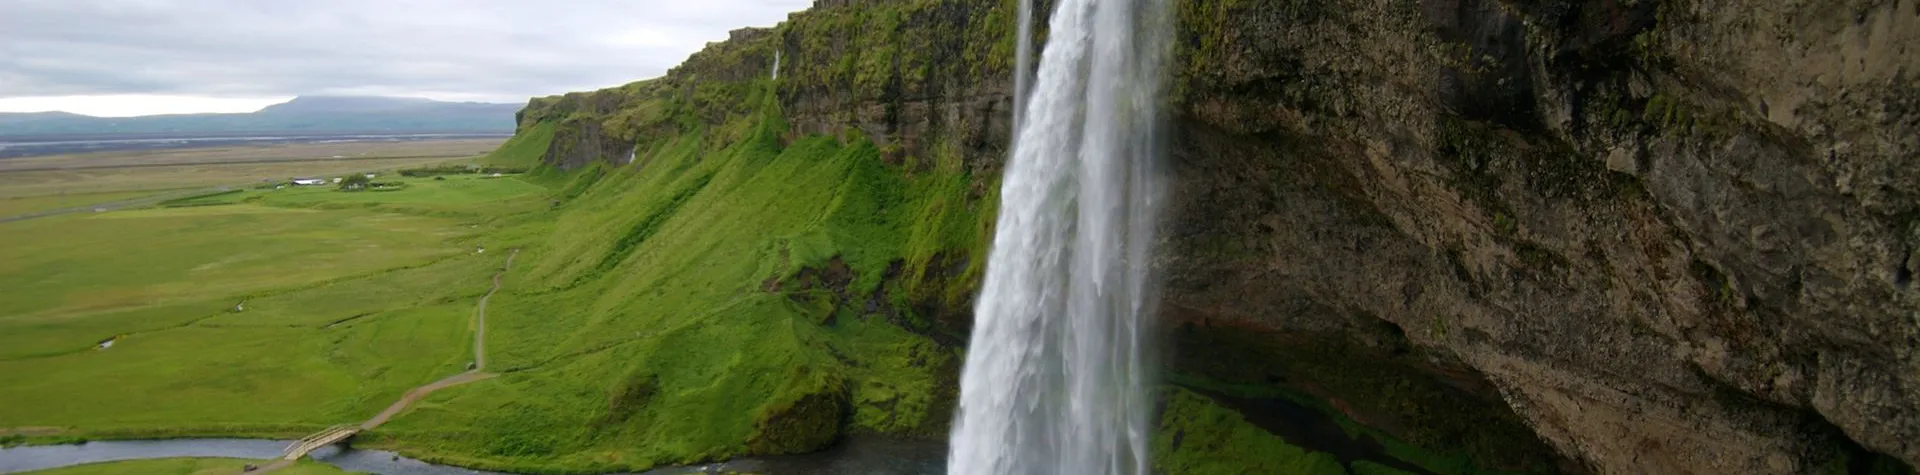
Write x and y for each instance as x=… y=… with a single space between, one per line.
x=454 y=190
x=29 y=204
x=127 y=259
x=350 y=299
x=155 y=170
x=185 y=466
x=103 y=180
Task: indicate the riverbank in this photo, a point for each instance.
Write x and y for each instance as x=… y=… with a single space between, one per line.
x=858 y=455
x=185 y=466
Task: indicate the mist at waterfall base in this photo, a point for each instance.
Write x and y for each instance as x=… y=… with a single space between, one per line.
x=1058 y=369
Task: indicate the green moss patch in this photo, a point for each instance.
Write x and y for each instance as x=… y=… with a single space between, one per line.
x=1391 y=396
x=1197 y=436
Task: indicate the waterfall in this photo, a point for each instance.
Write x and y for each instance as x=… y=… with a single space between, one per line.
x=776 y=64
x=1058 y=370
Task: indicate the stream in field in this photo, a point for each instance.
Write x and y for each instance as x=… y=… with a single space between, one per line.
x=855 y=456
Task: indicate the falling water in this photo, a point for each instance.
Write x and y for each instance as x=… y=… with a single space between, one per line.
x=1057 y=372
x=776 y=64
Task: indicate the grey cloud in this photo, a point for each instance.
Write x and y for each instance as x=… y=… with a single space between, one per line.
x=501 y=50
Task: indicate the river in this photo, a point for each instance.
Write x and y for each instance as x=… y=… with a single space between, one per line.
x=859 y=455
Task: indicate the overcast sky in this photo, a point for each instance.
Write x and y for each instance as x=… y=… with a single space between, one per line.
x=134 y=57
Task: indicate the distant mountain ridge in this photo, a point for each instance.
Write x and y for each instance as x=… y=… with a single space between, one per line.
x=304 y=114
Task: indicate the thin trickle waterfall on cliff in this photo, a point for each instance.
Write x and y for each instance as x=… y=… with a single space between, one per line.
x=1057 y=373
x=776 y=65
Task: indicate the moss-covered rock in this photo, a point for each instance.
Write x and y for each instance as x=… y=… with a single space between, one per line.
x=1197 y=436
x=804 y=417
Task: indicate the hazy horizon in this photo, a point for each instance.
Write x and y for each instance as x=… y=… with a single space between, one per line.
x=117 y=58
x=220 y=104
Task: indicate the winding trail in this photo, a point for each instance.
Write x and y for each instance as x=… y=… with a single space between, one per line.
x=480 y=316
x=478 y=373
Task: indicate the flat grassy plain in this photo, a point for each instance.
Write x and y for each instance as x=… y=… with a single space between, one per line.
x=124 y=171
x=269 y=314
x=302 y=152
x=185 y=466
x=171 y=177
x=344 y=310
x=455 y=190
x=28 y=204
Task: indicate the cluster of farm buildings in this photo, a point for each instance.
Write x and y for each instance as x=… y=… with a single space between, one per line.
x=309 y=181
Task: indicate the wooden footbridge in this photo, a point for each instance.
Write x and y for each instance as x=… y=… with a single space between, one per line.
x=332 y=435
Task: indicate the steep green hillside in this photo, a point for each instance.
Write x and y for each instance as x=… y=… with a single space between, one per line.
x=524 y=149
x=729 y=293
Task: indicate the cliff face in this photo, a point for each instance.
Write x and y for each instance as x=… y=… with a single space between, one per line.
x=1676 y=235
x=1672 y=236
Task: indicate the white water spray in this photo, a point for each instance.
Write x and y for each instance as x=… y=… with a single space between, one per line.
x=1058 y=370
x=776 y=64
